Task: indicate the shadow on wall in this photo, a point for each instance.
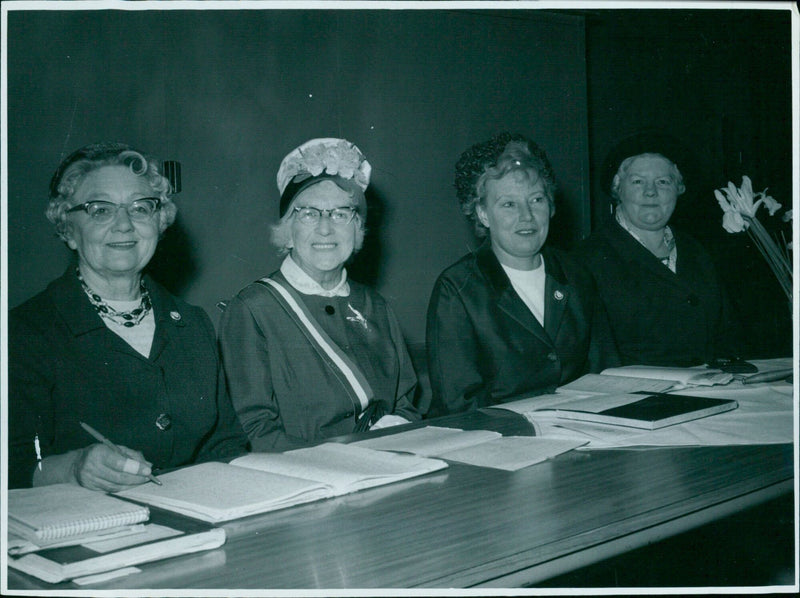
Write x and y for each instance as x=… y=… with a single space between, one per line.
x=174 y=264
x=365 y=265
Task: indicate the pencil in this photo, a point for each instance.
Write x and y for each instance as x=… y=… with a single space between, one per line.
x=768 y=376
x=100 y=438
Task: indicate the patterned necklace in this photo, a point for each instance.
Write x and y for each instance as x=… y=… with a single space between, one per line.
x=129 y=319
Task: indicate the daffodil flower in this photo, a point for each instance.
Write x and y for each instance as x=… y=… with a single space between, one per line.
x=744 y=202
x=739 y=207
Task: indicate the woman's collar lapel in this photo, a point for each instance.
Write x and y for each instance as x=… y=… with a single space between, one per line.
x=490 y=267
x=72 y=304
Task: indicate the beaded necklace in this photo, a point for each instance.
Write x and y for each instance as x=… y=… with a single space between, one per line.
x=128 y=319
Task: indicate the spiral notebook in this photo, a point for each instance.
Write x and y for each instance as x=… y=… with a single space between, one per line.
x=58 y=513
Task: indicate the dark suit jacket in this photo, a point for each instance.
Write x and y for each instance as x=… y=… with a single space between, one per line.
x=66 y=366
x=486 y=347
x=659 y=317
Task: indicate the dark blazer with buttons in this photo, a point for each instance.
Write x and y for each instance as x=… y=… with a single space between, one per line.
x=659 y=317
x=486 y=347
x=66 y=366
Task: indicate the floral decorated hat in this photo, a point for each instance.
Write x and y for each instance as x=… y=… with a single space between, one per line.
x=317 y=160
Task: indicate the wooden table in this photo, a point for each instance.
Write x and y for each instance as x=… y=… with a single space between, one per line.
x=469 y=526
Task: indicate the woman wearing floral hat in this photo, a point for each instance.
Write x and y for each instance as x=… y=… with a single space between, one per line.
x=308 y=353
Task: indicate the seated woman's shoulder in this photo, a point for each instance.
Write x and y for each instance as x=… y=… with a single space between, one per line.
x=571 y=263
x=366 y=291
x=39 y=310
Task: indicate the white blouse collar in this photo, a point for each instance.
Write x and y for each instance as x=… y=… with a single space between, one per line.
x=300 y=280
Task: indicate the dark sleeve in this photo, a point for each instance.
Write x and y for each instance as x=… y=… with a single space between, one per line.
x=407 y=380
x=30 y=406
x=246 y=360
x=453 y=354
x=228 y=440
x=603 y=351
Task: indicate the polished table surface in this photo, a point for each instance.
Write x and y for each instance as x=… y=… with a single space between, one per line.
x=468 y=526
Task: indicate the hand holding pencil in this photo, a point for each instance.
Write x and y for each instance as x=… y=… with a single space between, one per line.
x=111 y=467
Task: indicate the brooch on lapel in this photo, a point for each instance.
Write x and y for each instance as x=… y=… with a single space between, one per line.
x=357 y=317
x=558 y=295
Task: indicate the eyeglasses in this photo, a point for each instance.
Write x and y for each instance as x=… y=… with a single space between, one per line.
x=103 y=212
x=311 y=216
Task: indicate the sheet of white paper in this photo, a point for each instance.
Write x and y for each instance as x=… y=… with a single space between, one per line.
x=512 y=452
x=107 y=576
x=764 y=416
x=150 y=533
x=430 y=441
x=610 y=384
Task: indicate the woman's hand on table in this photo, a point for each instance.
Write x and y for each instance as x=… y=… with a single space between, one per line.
x=98 y=467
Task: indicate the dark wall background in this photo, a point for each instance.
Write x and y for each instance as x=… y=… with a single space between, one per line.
x=229 y=93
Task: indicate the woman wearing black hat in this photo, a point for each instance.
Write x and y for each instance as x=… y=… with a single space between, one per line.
x=513 y=318
x=308 y=353
x=108 y=346
x=663 y=297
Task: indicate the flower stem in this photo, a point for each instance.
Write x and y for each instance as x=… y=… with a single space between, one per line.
x=778 y=261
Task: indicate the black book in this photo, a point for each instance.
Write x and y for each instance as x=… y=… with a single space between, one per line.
x=645 y=410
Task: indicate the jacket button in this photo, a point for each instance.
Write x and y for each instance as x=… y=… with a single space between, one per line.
x=552 y=356
x=163 y=422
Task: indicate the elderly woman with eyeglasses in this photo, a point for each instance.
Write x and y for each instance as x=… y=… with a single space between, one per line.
x=308 y=353
x=107 y=346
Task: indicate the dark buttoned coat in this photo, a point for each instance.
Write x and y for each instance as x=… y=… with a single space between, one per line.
x=66 y=366
x=660 y=317
x=286 y=393
x=486 y=347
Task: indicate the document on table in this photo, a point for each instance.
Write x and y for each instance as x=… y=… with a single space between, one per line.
x=512 y=452
x=764 y=416
x=612 y=384
x=484 y=448
x=430 y=441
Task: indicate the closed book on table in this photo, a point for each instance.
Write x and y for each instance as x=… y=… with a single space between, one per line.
x=643 y=409
x=60 y=513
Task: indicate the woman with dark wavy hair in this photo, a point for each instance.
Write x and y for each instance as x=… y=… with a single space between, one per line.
x=513 y=318
x=106 y=345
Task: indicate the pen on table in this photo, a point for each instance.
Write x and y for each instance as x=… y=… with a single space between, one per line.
x=98 y=436
x=768 y=376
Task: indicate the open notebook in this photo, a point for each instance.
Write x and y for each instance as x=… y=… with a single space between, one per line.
x=261 y=482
